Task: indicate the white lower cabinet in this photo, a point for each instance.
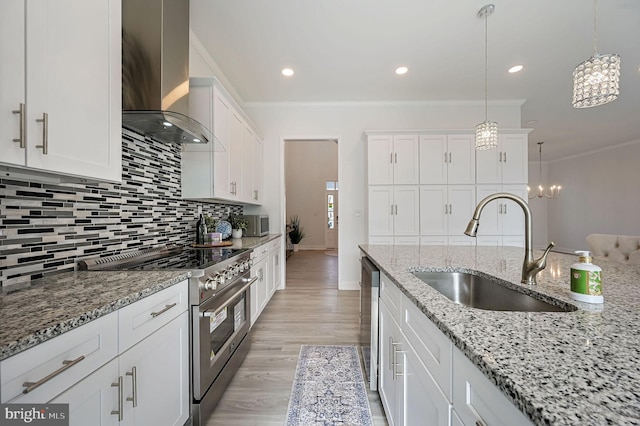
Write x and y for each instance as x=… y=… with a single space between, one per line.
x=92 y=400
x=477 y=401
x=107 y=380
x=264 y=257
x=424 y=379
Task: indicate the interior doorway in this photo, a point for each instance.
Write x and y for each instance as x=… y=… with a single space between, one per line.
x=310 y=168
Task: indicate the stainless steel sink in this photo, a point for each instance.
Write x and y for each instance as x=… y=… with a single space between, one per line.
x=482 y=293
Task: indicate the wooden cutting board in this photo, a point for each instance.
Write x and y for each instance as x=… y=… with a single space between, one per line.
x=220 y=244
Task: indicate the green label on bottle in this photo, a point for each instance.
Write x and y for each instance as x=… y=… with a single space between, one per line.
x=586 y=282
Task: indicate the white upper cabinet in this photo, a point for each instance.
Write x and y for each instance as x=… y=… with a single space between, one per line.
x=506 y=164
x=392 y=159
x=70 y=88
x=225 y=170
x=447 y=159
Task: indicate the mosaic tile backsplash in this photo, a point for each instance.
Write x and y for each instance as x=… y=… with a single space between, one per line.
x=47 y=228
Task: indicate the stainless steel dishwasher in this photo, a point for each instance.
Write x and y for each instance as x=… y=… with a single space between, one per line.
x=369 y=293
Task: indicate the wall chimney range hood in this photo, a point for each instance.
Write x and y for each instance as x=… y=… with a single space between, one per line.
x=155 y=73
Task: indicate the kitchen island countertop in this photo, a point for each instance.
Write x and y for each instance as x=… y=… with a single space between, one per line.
x=560 y=368
x=50 y=306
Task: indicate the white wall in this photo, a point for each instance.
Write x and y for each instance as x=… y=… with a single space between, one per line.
x=309 y=164
x=538 y=206
x=347 y=122
x=600 y=194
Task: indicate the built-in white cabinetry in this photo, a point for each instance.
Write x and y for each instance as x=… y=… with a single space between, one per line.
x=60 y=93
x=447 y=159
x=229 y=168
x=392 y=159
x=446 y=209
x=394 y=210
x=508 y=163
x=450 y=173
x=423 y=376
x=502 y=220
x=128 y=367
x=266 y=267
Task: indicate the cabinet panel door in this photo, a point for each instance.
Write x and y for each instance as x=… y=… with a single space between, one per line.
x=379 y=160
x=407 y=210
x=235 y=154
x=490 y=221
x=514 y=158
x=488 y=166
x=433 y=210
x=258 y=167
x=380 y=214
x=92 y=400
x=389 y=333
x=248 y=164
x=422 y=398
x=433 y=163
x=12 y=89
x=222 y=131
x=161 y=376
x=512 y=214
x=74 y=76
x=405 y=160
x=461 y=207
x=462 y=159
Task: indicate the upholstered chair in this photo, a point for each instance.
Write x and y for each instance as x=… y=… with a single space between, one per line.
x=616 y=248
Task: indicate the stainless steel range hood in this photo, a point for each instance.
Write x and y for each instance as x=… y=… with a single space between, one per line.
x=155 y=72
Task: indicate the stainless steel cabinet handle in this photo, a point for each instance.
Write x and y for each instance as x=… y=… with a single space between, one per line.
x=500 y=157
x=500 y=208
x=446 y=209
x=45 y=133
x=391 y=366
x=505 y=156
x=450 y=157
x=505 y=208
x=119 y=411
x=134 y=386
x=391 y=210
x=396 y=213
x=445 y=157
x=450 y=209
x=479 y=423
x=391 y=157
x=396 y=157
x=166 y=308
x=395 y=360
x=66 y=364
x=23 y=125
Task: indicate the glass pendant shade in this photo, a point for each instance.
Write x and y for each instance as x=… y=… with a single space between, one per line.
x=596 y=81
x=486 y=135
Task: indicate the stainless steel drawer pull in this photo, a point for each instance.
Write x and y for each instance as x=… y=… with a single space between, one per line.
x=45 y=133
x=22 y=125
x=166 y=308
x=134 y=386
x=479 y=423
x=119 y=411
x=66 y=364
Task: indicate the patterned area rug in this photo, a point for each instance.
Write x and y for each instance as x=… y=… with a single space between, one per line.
x=328 y=388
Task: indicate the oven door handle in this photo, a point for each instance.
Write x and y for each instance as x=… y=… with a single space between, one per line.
x=208 y=313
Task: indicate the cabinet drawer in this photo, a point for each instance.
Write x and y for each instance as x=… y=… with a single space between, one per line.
x=260 y=252
x=476 y=400
x=432 y=347
x=391 y=296
x=274 y=245
x=142 y=318
x=96 y=341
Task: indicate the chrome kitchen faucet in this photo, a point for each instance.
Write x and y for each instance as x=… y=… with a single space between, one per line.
x=530 y=267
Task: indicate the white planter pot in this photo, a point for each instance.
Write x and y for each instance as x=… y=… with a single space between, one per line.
x=296 y=247
x=236 y=233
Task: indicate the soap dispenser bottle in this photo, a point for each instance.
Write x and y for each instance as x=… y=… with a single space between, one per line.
x=586 y=280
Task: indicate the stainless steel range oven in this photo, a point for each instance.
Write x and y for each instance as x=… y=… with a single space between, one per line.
x=219 y=295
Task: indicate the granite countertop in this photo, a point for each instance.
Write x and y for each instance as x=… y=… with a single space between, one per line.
x=560 y=368
x=56 y=304
x=252 y=242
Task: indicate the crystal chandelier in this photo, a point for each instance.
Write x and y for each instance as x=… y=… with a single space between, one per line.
x=487 y=131
x=554 y=191
x=596 y=81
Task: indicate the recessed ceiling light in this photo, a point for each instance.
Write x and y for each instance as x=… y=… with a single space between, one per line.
x=401 y=70
x=287 y=72
x=515 y=68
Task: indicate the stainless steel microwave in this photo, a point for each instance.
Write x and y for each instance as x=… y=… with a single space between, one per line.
x=258 y=225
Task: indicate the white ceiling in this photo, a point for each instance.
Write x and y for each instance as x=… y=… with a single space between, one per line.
x=347 y=50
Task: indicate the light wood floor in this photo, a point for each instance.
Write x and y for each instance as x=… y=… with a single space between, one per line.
x=310 y=311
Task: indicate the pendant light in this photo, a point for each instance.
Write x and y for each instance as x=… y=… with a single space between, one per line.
x=487 y=131
x=554 y=191
x=596 y=81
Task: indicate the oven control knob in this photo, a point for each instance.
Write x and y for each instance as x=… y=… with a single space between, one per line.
x=242 y=266
x=247 y=264
x=220 y=278
x=210 y=284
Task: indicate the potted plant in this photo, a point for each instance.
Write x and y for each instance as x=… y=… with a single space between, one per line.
x=238 y=224
x=296 y=234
